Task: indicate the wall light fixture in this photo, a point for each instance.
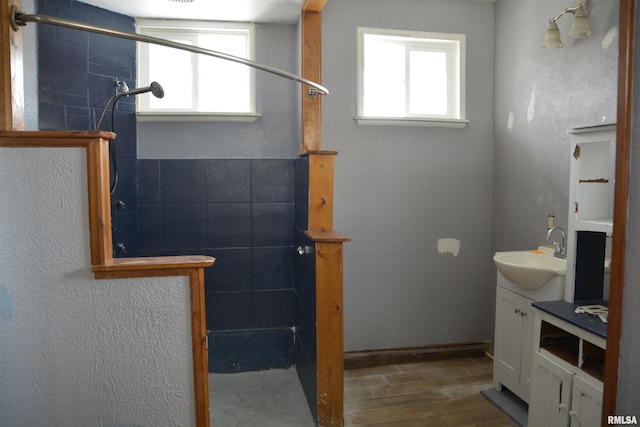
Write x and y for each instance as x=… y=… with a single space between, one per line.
x=579 y=25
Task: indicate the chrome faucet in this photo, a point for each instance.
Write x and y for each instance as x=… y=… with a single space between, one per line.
x=561 y=250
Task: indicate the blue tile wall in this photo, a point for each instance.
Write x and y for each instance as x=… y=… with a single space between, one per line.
x=230 y=273
x=240 y=211
x=230 y=225
x=239 y=351
x=305 y=290
x=270 y=182
x=77 y=72
x=302 y=192
x=248 y=213
x=229 y=181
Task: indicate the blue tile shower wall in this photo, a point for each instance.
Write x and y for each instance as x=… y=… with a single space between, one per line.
x=243 y=212
x=305 y=291
x=240 y=211
x=77 y=72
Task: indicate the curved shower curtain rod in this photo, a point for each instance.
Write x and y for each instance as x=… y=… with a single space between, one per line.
x=20 y=19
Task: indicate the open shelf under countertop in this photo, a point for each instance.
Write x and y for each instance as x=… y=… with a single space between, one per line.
x=566 y=311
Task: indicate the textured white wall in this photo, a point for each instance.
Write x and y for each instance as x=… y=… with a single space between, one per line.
x=75 y=351
x=415 y=200
x=539 y=95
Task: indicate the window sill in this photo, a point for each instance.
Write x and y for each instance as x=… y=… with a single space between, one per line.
x=198 y=117
x=412 y=121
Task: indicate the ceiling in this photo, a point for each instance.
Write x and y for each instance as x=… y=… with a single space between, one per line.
x=271 y=11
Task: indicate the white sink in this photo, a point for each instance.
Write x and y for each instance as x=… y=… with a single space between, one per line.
x=530 y=269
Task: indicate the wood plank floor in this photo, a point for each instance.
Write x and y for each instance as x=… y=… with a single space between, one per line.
x=438 y=393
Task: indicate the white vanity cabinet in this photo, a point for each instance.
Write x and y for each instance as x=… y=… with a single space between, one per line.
x=562 y=397
x=567 y=370
x=513 y=343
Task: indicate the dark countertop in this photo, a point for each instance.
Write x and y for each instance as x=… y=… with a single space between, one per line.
x=566 y=311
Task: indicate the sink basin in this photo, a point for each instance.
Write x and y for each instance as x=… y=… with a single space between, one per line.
x=529 y=269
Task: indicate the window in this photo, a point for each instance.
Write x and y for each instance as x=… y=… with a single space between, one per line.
x=408 y=77
x=196 y=84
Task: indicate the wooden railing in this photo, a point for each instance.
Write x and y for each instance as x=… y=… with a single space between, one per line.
x=104 y=266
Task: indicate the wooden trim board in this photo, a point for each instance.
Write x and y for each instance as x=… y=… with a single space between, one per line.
x=626 y=52
x=372 y=358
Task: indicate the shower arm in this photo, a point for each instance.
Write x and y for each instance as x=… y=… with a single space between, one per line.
x=20 y=19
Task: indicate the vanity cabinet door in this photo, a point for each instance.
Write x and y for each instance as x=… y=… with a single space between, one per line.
x=509 y=336
x=586 y=403
x=550 y=397
x=528 y=322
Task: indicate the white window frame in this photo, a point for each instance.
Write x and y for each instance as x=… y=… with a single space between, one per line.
x=454 y=47
x=188 y=31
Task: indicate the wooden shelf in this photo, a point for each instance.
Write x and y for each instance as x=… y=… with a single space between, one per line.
x=560 y=343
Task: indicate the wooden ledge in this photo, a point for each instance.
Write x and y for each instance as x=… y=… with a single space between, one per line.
x=327 y=236
x=151 y=266
x=52 y=138
x=314 y=5
x=317 y=152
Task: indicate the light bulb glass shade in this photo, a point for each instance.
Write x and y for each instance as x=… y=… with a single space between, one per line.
x=580 y=25
x=552 y=37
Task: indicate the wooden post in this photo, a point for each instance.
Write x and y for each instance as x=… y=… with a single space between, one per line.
x=99 y=201
x=329 y=329
x=12 y=80
x=311 y=70
x=321 y=190
x=199 y=346
x=328 y=243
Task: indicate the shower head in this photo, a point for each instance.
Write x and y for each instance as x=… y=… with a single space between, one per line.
x=154 y=88
x=157 y=90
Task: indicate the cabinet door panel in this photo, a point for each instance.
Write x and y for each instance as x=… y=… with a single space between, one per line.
x=550 y=393
x=527 y=343
x=586 y=403
x=508 y=346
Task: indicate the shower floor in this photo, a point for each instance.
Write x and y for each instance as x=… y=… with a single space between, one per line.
x=271 y=398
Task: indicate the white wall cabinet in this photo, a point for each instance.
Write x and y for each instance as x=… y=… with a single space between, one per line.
x=513 y=343
x=591 y=190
